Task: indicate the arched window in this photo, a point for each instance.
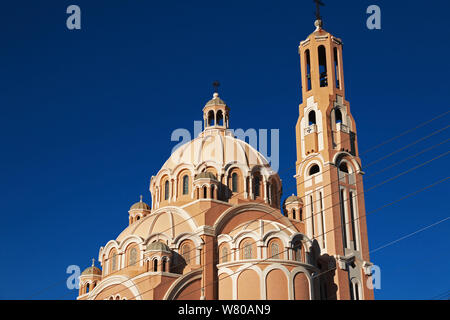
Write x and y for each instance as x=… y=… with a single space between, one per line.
x=311 y=117
x=133 y=256
x=138 y=217
x=293 y=214
x=298 y=251
x=323 y=67
x=212 y=191
x=118 y=298
x=155 y=265
x=275 y=250
x=248 y=250
x=308 y=70
x=113 y=262
x=87 y=288
x=219 y=120
x=234 y=182
x=314 y=169
x=164 y=265
x=186 y=253
x=205 y=193
x=224 y=254
x=166 y=190
x=257 y=186
x=210 y=118
x=338 y=116
x=185 y=184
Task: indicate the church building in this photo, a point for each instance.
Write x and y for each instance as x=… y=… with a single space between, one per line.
x=218 y=226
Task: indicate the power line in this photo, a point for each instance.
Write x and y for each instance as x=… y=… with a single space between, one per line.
x=441 y=296
x=393 y=242
x=406 y=132
x=410 y=235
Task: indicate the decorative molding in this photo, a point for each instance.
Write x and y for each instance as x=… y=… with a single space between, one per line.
x=367 y=268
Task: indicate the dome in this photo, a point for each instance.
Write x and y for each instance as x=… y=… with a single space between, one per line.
x=140 y=206
x=91 y=270
x=205 y=175
x=293 y=199
x=220 y=151
x=215 y=101
x=158 y=246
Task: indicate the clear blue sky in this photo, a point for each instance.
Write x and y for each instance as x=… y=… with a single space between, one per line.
x=86 y=118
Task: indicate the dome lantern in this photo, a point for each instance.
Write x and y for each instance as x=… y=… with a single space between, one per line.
x=158 y=257
x=216 y=112
x=138 y=211
x=89 y=278
x=293 y=206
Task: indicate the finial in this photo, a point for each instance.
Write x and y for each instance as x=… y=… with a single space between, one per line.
x=93 y=262
x=141 y=198
x=318 y=23
x=216 y=85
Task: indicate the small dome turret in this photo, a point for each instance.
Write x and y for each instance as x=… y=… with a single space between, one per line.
x=215 y=101
x=205 y=175
x=158 y=246
x=292 y=199
x=293 y=206
x=138 y=211
x=140 y=206
x=216 y=112
x=92 y=270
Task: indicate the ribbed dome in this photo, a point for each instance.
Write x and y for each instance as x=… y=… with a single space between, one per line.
x=91 y=270
x=215 y=101
x=293 y=199
x=219 y=151
x=158 y=246
x=140 y=206
x=207 y=175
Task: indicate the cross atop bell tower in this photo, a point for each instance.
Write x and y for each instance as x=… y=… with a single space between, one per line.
x=318 y=4
x=318 y=23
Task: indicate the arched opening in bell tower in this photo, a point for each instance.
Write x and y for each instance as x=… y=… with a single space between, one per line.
x=337 y=73
x=308 y=70
x=338 y=116
x=323 y=67
x=311 y=117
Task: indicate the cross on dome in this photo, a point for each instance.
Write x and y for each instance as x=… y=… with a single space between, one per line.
x=216 y=85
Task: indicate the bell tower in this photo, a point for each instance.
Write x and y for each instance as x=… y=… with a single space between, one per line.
x=328 y=170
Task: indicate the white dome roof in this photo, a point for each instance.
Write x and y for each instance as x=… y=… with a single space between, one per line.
x=219 y=149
